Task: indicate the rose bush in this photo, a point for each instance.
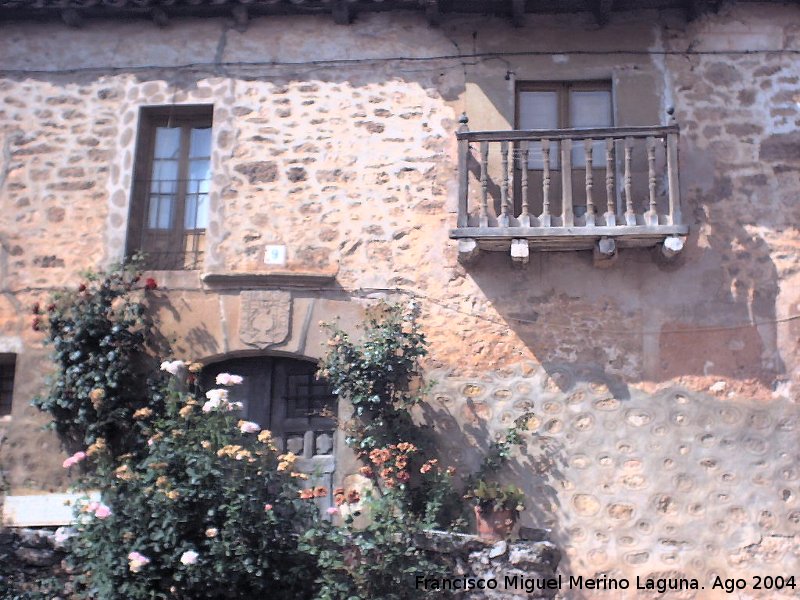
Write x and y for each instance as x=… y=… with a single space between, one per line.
x=380 y=376
x=99 y=335
x=205 y=513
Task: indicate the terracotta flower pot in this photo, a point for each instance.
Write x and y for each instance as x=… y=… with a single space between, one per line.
x=495 y=525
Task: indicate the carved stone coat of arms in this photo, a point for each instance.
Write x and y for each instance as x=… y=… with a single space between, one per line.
x=265 y=317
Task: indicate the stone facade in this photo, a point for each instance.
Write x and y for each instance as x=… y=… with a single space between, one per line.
x=666 y=394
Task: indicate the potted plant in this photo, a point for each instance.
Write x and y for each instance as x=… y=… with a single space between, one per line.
x=496 y=508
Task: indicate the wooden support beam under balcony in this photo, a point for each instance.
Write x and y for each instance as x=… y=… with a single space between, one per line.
x=522 y=191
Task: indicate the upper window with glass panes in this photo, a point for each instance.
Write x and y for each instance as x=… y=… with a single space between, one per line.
x=169 y=209
x=565 y=105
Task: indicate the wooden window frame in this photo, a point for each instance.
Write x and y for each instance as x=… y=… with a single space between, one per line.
x=8 y=364
x=562 y=89
x=150 y=118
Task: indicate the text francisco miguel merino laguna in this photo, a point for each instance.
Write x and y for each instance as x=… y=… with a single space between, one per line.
x=531 y=584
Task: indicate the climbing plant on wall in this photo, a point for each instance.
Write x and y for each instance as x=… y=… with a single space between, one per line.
x=99 y=336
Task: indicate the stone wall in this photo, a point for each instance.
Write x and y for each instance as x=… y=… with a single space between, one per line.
x=481 y=570
x=29 y=557
x=637 y=482
x=666 y=395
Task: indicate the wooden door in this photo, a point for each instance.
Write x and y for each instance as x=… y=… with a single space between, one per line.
x=285 y=396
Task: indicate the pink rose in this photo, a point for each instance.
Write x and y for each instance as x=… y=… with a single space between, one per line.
x=228 y=379
x=136 y=561
x=74 y=459
x=332 y=510
x=267 y=507
x=172 y=367
x=102 y=511
x=249 y=427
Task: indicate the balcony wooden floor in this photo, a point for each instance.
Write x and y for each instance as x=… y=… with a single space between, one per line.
x=554 y=239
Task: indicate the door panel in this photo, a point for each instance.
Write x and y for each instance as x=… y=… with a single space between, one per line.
x=284 y=396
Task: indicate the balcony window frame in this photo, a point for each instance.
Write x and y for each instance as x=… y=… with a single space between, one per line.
x=563 y=89
x=186 y=117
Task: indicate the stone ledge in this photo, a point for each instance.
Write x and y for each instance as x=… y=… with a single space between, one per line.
x=265 y=279
x=40 y=510
x=167 y=280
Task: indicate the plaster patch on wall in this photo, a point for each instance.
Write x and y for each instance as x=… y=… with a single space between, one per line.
x=11 y=344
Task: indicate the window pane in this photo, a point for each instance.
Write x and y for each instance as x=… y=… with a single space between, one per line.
x=200 y=143
x=165 y=170
x=163 y=189
x=588 y=109
x=160 y=213
x=196 y=207
x=168 y=142
x=6 y=385
x=200 y=172
x=539 y=110
x=196 y=211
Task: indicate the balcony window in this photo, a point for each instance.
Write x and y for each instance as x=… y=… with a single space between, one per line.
x=169 y=211
x=565 y=105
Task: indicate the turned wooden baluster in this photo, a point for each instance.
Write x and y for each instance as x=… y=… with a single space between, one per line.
x=587 y=145
x=611 y=209
x=546 y=219
x=524 y=216
x=674 y=182
x=630 y=216
x=463 y=174
x=651 y=216
x=502 y=220
x=484 y=217
x=567 y=217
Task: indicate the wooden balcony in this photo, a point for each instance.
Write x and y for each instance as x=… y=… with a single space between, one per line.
x=568 y=189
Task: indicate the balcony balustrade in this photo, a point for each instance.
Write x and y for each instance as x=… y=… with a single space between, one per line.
x=568 y=189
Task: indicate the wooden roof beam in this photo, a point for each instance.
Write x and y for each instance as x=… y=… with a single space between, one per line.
x=160 y=17
x=72 y=18
x=518 y=13
x=433 y=12
x=342 y=13
x=240 y=17
x=601 y=9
